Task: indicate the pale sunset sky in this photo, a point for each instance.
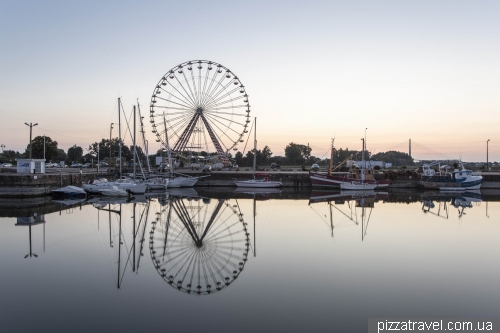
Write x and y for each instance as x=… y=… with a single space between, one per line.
x=314 y=70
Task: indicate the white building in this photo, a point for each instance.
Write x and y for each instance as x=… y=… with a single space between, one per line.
x=30 y=165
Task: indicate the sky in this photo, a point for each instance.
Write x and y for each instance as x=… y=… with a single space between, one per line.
x=313 y=70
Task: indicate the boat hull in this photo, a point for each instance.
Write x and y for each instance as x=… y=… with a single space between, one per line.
x=355 y=186
x=182 y=182
x=450 y=186
x=257 y=184
x=334 y=181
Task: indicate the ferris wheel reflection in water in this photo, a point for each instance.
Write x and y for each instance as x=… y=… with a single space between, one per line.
x=199 y=246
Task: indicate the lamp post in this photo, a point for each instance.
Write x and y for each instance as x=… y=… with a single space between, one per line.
x=487 y=164
x=2 y=146
x=110 y=130
x=31 y=125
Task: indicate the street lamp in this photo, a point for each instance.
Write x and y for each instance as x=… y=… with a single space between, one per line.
x=31 y=125
x=2 y=146
x=487 y=164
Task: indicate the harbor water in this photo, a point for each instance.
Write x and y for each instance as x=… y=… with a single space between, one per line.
x=245 y=261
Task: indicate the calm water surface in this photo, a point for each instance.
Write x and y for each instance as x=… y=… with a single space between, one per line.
x=247 y=262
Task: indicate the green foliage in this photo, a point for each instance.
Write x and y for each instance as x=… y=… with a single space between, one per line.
x=61 y=155
x=37 y=146
x=9 y=156
x=397 y=158
x=296 y=153
x=75 y=153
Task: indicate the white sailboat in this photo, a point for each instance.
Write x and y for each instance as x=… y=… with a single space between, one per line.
x=257 y=183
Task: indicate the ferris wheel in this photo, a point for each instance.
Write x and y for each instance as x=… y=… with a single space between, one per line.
x=199 y=106
x=199 y=247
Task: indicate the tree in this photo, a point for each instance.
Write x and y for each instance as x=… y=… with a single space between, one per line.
x=239 y=158
x=295 y=153
x=75 y=153
x=61 y=155
x=397 y=158
x=266 y=154
x=37 y=148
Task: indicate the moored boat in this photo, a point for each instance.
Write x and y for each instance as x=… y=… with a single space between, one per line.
x=333 y=179
x=258 y=183
x=457 y=180
x=71 y=191
x=114 y=191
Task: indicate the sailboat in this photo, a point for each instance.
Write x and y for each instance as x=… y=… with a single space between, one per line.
x=362 y=184
x=333 y=179
x=264 y=182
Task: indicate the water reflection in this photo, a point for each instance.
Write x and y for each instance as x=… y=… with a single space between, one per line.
x=359 y=206
x=198 y=245
x=140 y=213
x=438 y=203
x=30 y=221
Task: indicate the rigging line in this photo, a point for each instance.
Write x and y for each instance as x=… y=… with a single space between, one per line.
x=171 y=101
x=249 y=134
x=67 y=136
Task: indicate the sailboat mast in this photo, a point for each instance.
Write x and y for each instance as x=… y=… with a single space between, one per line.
x=255 y=146
x=135 y=149
x=363 y=161
x=119 y=137
x=167 y=146
x=331 y=160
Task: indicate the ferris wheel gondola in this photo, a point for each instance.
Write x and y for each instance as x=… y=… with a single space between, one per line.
x=200 y=106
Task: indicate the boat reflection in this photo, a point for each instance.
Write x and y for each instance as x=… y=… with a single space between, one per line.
x=438 y=203
x=359 y=206
x=199 y=246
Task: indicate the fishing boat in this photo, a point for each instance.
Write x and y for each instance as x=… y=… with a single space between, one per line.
x=358 y=186
x=332 y=179
x=70 y=191
x=456 y=180
x=258 y=183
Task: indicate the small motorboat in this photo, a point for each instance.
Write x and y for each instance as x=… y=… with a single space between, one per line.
x=114 y=192
x=70 y=191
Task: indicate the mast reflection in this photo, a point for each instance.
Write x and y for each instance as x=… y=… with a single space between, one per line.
x=359 y=206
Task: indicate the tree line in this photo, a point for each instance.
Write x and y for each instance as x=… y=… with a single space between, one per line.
x=294 y=154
